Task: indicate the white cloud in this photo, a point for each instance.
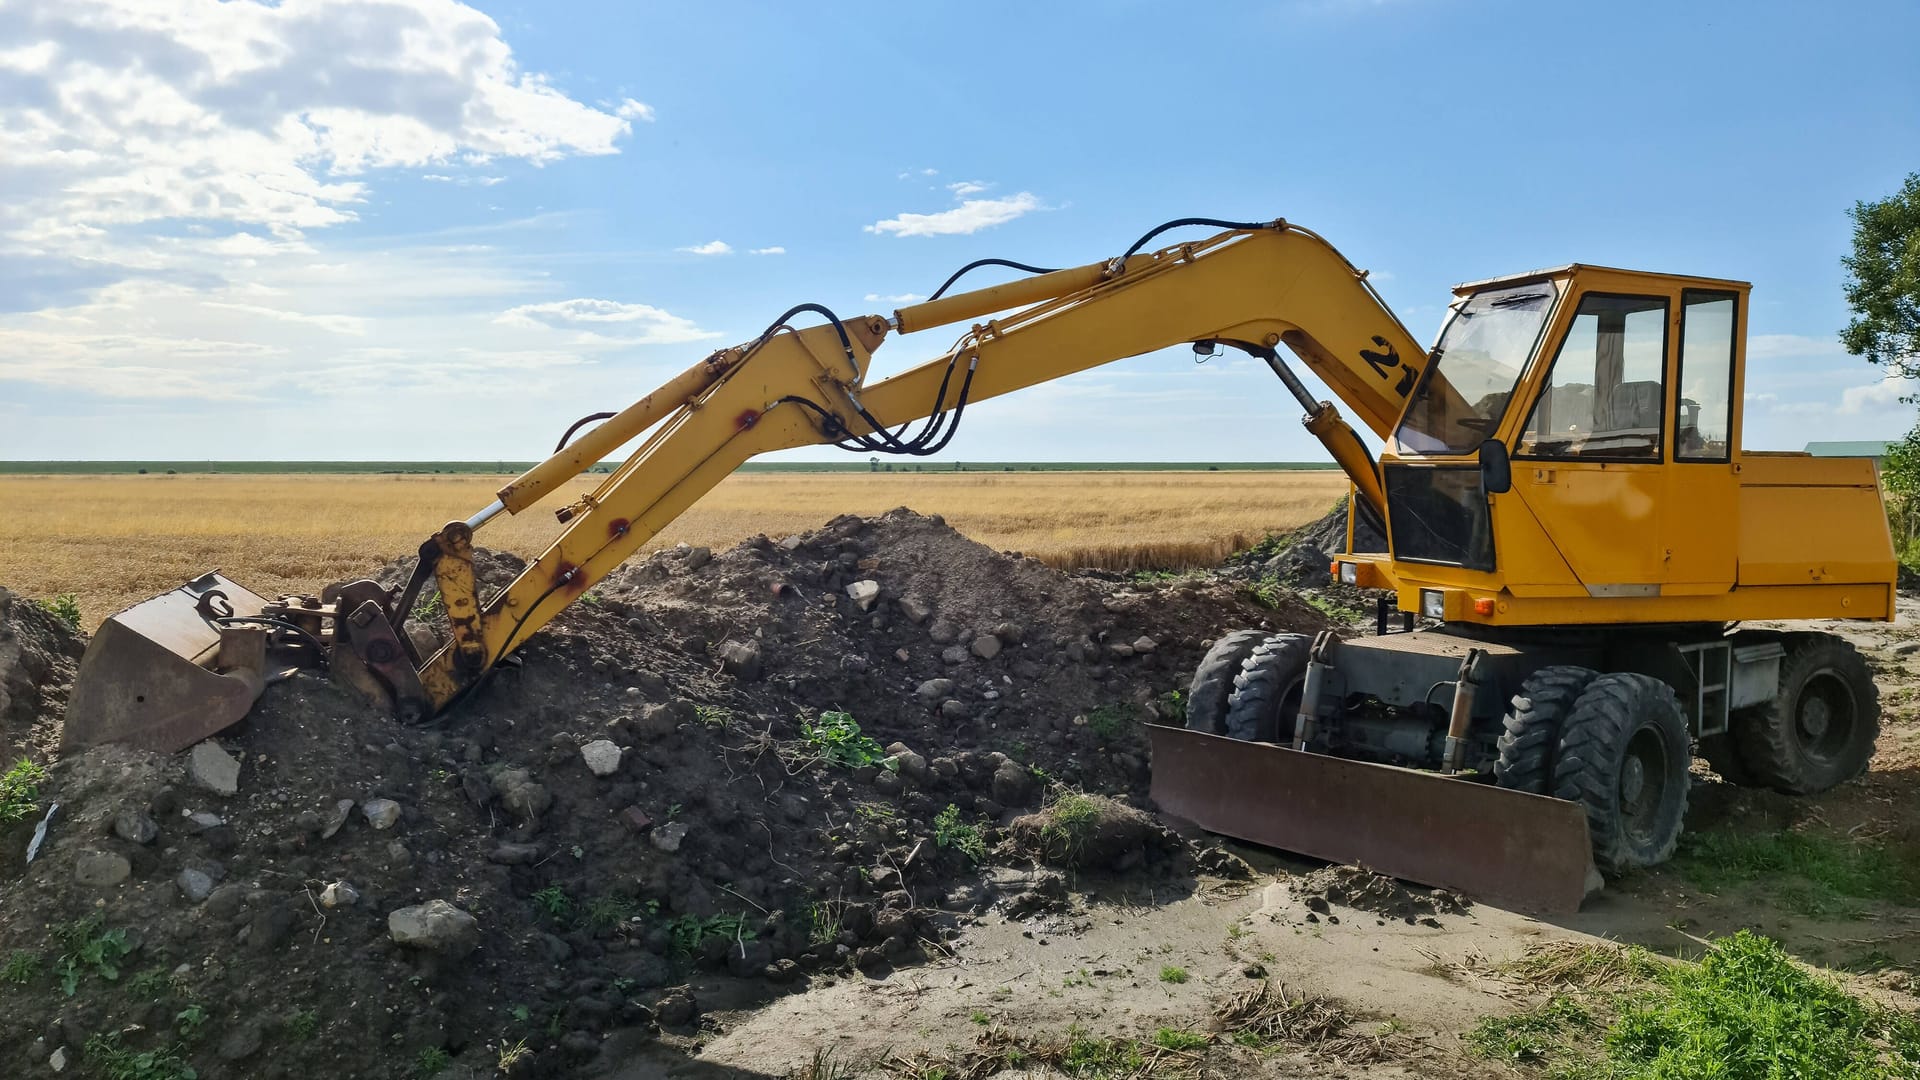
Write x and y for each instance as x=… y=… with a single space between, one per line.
x=1790 y=347
x=897 y=298
x=1877 y=397
x=630 y=109
x=969 y=217
x=712 y=247
x=774 y=250
x=968 y=187
x=337 y=324
x=464 y=181
x=911 y=173
x=607 y=322
x=121 y=113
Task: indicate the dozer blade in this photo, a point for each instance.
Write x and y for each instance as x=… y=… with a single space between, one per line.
x=163 y=674
x=1511 y=849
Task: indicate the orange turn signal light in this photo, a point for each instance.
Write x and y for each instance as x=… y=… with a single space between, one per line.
x=1483 y=605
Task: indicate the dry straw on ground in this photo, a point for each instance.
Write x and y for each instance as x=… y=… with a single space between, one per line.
x=112 y=540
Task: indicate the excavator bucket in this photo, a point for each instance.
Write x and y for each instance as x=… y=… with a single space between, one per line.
x=1508 y=848
x=170 y=671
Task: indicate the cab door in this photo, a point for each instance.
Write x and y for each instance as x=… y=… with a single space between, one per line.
x=1702 y=503
x=1589 y=460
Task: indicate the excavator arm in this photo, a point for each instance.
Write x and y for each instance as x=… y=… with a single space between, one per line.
x=184 y=665
x=1253 y=288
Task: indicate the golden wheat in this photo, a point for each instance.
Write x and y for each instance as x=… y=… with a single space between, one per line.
x=113 y=540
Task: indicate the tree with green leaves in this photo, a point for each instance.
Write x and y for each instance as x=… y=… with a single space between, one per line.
x=1883 y=282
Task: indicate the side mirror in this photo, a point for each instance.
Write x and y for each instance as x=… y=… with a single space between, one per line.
x=1496 y=469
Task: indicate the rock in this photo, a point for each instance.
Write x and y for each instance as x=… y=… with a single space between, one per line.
x=661 y=720
x=213 y=769
x=892 y=922
x=676 y=1008
x=1013 y=784
x=748 y=958
x=435 y=926
x=381 y=813
x=1144 y=644
x=241 y=1043
x=669 y=837
x=635 y=820
x=911 y=765
x=337 y=818
x=954 y=654
x=790 y=543
x=135 y=827
x=943 y=632
x=602 y=757
x=863 y=594
x=339 y=894
x=100 y=868
x=741 y=659
x=514 y=854
x=226 y=901
x=58 y=1061
x=520 y=794
x=270 y=928
x=935 y=689
x=953 y=709
x=195 y=885
x=1905 y=648
x=1119 y=651
x=986 y=646
x=1009 y=633
x=915 y=609
x=698 y=557
x=397 y=855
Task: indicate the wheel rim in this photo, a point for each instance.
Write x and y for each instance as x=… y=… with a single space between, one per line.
x=1825 y=717
x=1643 y=785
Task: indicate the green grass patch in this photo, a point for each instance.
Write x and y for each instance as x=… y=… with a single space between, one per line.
x=950 y=832
x=107 y=1058
x=66 y=608
x=1332 y=609
x=1745 y=1012
x=1171 y=974
x=1813 y=874
x=836 y=736
x=20 y=790
x=1110 y=722
x=553 y=902
x=1176 y=1039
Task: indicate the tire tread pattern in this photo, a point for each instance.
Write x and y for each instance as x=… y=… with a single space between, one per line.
x=1259 y=690
x=1591 y=746
x=1213 y=680
x=1531 y=728
x=1767 y=736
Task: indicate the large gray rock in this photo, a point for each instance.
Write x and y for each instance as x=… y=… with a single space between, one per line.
x=986 y=646
x=520 y=794
x=135 y=827
x=195 y=885
x=435 y=926
x=741 y=659
x=212 y=768
x=669 y=837
x=863 y=594
x=100 y=869
x=602 y=757
x=915 y=609
x=381 y=813
x=935 y=689
x=1013 y=784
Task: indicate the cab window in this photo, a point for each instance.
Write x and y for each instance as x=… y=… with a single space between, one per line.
x=1702 y=423
x=1605 y=395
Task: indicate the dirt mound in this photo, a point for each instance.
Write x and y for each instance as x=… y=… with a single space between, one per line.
x=717 y=775
x=38 y=653
x=1363 y=890
x=1090 y=832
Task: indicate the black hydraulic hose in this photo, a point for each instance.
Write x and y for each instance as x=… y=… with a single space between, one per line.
x=1180 y=223
x=978 y=263
x=578 y=424
x=838 y=328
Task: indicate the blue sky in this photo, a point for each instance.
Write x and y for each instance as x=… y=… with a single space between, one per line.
x=421 y=229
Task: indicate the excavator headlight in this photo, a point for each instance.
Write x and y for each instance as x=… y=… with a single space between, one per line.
x=1433 y=604
x=1349 y=573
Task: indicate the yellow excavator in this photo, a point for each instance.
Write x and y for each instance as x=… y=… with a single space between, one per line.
x=1573 y=536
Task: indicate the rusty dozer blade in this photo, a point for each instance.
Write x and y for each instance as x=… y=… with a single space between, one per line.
x=1509 y=848
x=165 y=673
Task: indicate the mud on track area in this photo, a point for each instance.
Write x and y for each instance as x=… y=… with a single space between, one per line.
x=741 y=813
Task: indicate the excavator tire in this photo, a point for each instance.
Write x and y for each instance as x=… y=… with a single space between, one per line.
x=1624 y=756
x=1266 y=693
x=1819 y=730
x=1213 y=680
x=1532 y=727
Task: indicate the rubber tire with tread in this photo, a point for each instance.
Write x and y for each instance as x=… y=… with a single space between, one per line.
x=1213 y=679
x=1256 y=711
x=1531 y=734
x=1768 y=736
x=1614 y=709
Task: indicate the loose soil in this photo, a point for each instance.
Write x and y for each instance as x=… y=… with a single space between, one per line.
x=757 y=890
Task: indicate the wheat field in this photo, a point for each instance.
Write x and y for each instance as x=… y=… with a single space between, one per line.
x=114 y=540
